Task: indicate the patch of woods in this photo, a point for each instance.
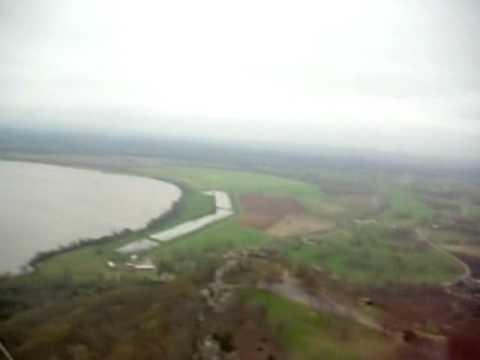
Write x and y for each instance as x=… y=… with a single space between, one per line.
x=243 y=332
x=141 y=321
x=137 y=320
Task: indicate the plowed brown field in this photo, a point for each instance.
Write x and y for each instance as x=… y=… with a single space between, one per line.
x=262 y=211
x=292 y=225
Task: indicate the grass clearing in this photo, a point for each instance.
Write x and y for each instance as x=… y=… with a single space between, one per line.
x=369 y=255
x=310 y=335
x=474 y=211
x=404 y=204
x=215 y=239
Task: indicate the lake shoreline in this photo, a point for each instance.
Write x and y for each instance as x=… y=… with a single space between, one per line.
x=175 y=200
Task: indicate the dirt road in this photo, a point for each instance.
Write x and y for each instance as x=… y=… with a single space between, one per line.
x=467 y=274
x=291 y=288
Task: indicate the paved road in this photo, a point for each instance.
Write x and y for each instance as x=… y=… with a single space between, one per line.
x=5 y=352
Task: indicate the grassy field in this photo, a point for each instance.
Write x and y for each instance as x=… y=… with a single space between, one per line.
x=312 y=335
x=193 y=205
x=215 y=239
x=404 y=204
x=474 y=211
x=370 y=255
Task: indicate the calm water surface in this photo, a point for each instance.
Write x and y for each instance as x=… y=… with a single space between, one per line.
x=45 y=206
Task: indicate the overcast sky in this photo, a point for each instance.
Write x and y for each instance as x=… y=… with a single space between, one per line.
x=385 y=74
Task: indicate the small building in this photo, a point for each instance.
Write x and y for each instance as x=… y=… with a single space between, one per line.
x=146 y=265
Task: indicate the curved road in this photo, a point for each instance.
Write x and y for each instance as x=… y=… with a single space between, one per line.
x=467 y=274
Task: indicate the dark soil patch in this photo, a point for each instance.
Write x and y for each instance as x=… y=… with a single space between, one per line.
x=263 y=211
x=464 y=224
x=464 y=345
x=254 y=343
x=423 y=349
x=424 y=307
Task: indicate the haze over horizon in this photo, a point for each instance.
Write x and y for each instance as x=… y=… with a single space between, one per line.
x=378 y=74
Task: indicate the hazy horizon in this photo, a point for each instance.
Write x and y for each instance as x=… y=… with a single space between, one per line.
x=377 y=75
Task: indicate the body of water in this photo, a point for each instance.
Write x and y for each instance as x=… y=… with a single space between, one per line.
x=45 y=206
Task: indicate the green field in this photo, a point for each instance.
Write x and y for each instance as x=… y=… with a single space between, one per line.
x=370 y=255
x=405 y=205
x=216 y=239
x=474 y=211
x=312 y=335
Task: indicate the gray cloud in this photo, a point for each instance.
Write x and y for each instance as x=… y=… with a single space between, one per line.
x=385 y=74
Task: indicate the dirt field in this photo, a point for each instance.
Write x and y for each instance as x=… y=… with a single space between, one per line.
x=292 y=225
x=464 y=249
x=254 y=343
x=430 y=309
x=261 y=211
